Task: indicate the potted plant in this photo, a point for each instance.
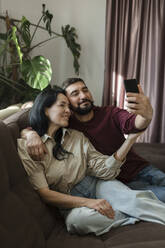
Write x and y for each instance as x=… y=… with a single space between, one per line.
x=21 y=75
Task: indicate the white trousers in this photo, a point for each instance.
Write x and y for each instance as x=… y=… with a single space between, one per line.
x=130 y=206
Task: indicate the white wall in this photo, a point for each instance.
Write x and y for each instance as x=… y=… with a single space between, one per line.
x=88 y=17
x=0 y=14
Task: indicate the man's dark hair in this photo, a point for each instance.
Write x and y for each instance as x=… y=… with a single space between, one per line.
x=40 y=122
x=70 y=81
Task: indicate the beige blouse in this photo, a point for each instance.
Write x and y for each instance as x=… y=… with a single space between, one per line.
x=63 y=175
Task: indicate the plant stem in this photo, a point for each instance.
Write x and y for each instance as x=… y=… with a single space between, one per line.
x=10 y=65
x=35 y=25
x=36 y=29
x=41 y=27
x=38 y=26
x=10 y=85
x=9 y=81
x=40 y=43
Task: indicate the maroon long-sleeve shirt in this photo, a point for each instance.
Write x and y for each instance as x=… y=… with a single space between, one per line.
x=106 y=132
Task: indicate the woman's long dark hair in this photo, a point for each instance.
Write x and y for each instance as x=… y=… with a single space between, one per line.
x=40 y=122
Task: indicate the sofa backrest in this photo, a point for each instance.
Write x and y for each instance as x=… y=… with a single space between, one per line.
x=23 y=215
x=20 y=119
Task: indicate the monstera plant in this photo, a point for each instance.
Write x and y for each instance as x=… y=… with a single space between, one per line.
x=22 y=76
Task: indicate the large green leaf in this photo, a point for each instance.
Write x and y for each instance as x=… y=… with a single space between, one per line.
x=37 y=72
x=70 y=36
x=47 y=18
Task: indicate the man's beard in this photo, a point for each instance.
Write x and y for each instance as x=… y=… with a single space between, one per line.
x=85 y=110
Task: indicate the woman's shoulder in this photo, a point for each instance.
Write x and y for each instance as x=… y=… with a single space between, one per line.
x=76 y=134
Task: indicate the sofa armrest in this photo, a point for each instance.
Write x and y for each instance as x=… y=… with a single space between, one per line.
x=4 y=113
x=20 y=118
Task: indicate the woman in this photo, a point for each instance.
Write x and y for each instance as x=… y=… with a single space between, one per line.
x=60 y=177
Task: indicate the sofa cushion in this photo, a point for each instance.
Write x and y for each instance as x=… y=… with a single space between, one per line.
x=63 y=239
x=138 y=235
x=153 y=152
x=152 y=244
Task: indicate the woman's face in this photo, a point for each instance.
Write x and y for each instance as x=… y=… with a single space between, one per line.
x=59 y=112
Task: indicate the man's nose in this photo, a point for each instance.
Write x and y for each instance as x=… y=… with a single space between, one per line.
x=82 y=95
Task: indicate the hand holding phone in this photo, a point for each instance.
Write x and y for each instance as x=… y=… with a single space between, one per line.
x=131 y=85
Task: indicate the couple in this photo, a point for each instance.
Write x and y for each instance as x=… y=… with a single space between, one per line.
x=60 y=177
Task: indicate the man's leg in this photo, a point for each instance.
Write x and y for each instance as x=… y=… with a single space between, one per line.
x=150 y=178
x=85 y=188
x=143 y=205
x=86 y=220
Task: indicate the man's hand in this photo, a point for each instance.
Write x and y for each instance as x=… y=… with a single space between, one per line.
x=35 y=146
x=102 y=206
x=139 y=104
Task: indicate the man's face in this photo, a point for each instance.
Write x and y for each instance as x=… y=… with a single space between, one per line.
x=80 y=98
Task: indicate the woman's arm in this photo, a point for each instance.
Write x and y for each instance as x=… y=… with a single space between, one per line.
x=67 y=201
x=37 y=177
x=122 y=152
x=108 y=167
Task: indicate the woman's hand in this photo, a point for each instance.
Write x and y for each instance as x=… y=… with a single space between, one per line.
x=102 y=206
x=126 y=146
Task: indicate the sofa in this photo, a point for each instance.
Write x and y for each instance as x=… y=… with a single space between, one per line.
x=27 y=222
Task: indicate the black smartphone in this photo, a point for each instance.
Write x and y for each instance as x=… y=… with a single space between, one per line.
x=131 y=85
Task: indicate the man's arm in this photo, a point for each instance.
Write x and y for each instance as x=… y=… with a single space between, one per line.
x=139 y=104
x=35 y=146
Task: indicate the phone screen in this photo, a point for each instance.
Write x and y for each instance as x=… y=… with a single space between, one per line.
x=131 y=85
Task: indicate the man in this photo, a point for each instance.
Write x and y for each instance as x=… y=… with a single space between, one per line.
x=105 y=127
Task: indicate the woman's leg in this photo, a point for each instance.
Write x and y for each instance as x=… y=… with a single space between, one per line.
x=141 y=204
x=85 y=220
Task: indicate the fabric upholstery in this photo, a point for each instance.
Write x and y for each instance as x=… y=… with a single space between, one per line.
x=16 y=221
